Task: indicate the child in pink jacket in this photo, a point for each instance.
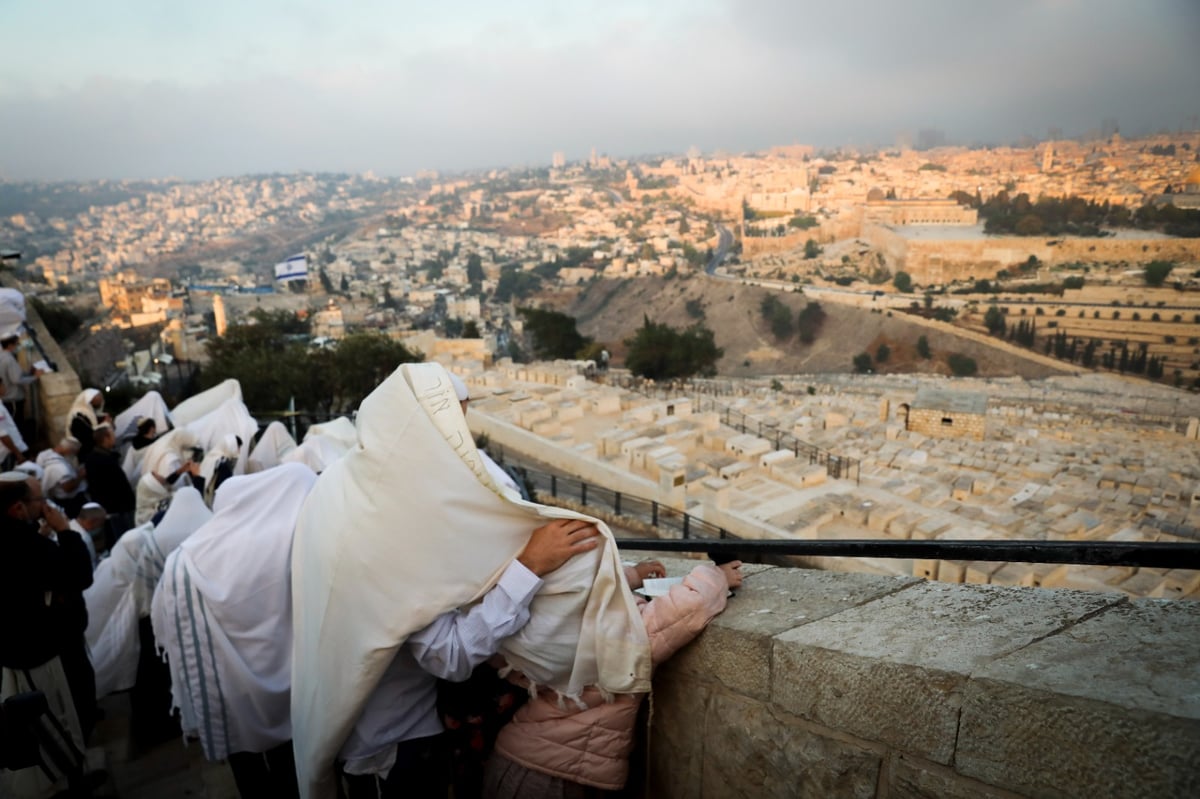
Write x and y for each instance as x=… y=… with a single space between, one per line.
x=556 y=748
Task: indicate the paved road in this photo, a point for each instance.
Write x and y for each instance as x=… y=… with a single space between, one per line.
x=724 y=245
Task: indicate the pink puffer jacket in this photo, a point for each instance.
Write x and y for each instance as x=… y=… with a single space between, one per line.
x=591 y=746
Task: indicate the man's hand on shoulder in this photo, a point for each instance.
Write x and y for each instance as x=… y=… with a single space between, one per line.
x=553 y=544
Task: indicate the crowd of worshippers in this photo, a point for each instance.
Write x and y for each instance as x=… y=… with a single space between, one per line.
x=219 y=562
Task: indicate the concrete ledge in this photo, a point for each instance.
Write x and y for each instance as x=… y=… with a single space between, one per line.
x=825 y=684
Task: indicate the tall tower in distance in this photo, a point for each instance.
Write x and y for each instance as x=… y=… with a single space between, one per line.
x=558 y=160
x=219 y=319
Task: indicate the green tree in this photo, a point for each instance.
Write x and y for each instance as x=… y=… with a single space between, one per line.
x=684 y=227
x=269 y=357
x=778 y=316
x=903 y=282
x=883 y=353
x=811 y=249
x=515 y=283
x=474 y=269
x=961 y=365
x=326 y=283
x=1157 y=272
x=809 y=322
x=659 y=351
x=471 y=329
x=862 y=362
x=923 y=348
x=554 y=334
x=994 y=320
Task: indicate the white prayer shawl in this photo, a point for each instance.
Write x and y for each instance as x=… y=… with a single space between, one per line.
x=12 y=312
x=408 y=525
x=225 y=449
x=56 y=470
x=204 y=403
x=163 y=457
x=83 y=405
x=276 y=442
x=341 y=430
x=324 y=443
x=131 y=464
x=222 y=614
x=229 y=418
x=150 y=406
x=112 y=631
x=185 y=515
x=123 y=587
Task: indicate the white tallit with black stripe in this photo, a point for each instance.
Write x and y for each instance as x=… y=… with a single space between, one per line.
x=222 y=613
x=124 y=584
x=409 y=524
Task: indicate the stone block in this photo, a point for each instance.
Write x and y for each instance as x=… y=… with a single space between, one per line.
x=1106 y=708
x=755 y=752
x=911 y=778
x=677 y=734
x=893 y=670
x=735 y=649
x=880 y=516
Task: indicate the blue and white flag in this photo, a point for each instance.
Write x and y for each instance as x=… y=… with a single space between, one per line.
x=294 y=268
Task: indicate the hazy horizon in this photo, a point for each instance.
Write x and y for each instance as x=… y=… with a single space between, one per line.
x=134 y=89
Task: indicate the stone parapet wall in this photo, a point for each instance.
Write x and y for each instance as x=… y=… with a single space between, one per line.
x=56 y=391
x=815 y=684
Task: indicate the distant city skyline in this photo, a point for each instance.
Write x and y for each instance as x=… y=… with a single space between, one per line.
x=136 y=89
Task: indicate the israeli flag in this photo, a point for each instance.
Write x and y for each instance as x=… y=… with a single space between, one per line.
x=294 y=268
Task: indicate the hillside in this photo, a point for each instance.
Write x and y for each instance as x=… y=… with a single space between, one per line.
x=610 y=311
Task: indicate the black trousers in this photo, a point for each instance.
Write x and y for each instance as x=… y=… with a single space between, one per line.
x=81 y=679
x=422 y=771
x=266 y=774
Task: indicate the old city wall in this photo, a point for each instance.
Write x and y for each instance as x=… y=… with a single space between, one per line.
x=817 y=684
x=932 y=261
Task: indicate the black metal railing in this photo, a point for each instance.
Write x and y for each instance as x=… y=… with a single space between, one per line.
x=1156 y=555
x=684 y=532
x=671 y=521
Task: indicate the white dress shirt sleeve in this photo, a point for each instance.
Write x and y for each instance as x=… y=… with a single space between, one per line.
x=456 y=642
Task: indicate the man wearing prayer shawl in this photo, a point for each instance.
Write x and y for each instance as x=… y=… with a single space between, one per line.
x=409 y=525
x=43 y=567
x=222 y=613
x=166 y=461
x=84 y=416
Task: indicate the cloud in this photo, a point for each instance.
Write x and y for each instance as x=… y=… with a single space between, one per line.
x=514 y=88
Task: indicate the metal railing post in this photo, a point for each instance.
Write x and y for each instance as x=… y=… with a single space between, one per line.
x=554 y=485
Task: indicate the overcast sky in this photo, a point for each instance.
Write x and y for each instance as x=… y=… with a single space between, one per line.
x=146 y=88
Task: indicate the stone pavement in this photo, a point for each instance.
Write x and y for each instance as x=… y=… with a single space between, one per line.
x=167 y=770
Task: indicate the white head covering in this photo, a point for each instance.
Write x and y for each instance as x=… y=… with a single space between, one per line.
x=83 y=406
x=223 y=614
x=14 y=476
x=276 y=442
x=324 y=444
x=229 y=418
x=371 y=567
x=150 y=406
x=200 y=405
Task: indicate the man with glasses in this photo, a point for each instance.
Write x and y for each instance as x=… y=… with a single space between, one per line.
x=44 y=568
